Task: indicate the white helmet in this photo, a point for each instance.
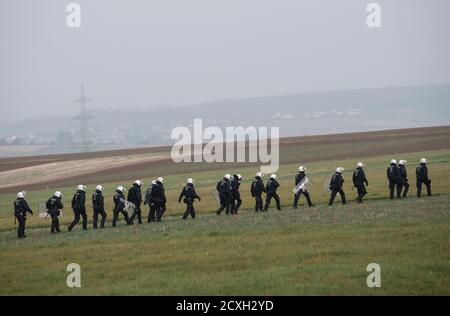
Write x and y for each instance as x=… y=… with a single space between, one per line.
x=190 y=180
x=160 y=179
x=99 y=188
x=227 y=176
x=138 y=182
x=81 y=187
x=273 y=176
x=20 y=195
x=302 y=169
x=360 y=164
x=153 y=181
x=402 y=162
x=393 y=162
x=58 y=194
x=259 y=174
x=423 y=160
x=120 y=188
x=239 y=176
x=339 y=170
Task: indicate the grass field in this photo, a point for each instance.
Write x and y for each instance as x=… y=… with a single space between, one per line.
x=293 y=252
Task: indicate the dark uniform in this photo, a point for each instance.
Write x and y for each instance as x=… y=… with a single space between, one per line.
x=189 y=195
x=21 y=209
x=404 y=185
x=79 y=209
x=54 y=205
x=158 y=199
x=360 y=182
x=336 y=183
x=135 y=197
x=223 y=187
x=119 y=207
x=422 y=178
x=393 y=176
x=148 y=200
x=236 y=200
x=271 y=192
x=98 y=205
x=257 y=188
x=298 y=178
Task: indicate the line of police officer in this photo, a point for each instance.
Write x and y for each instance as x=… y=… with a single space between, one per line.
x=228 y=196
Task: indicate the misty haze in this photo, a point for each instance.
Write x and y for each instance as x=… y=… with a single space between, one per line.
x=150 y=66
x=232 y=150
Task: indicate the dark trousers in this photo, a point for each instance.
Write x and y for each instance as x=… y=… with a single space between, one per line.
x=392 y=186
x=236 y=202
x=160 y=210
x=21 y=230
x=75 y=221
x=269 y=197
x=299 y=194
x=116 y=216
x=361 y=189
x=224 y=205
x=189 y=209
x=137 y=212
x=95 y=217
x=403 y=187
x=258 y=203
x=151 y=213
x=333 y=196
x=419 y=187
x=55 y=224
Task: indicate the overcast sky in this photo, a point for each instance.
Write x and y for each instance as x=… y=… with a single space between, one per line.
x=174 y=52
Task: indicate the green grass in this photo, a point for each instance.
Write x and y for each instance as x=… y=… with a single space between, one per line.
x=319 y=172
x=292 y=252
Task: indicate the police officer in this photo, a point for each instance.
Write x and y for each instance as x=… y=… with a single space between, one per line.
x=148 y=200
x=271 y=192
x=360 y=181
x=336 y=186
x=403 y=175
x=393 y=176
x=135 y=197
x=223 y=187
x=189 y=195
x=257 y=188
x=54 y=207
x=79 y=207
x=21 y=209
x=422 y=177
x=236 y=200
x=299 y=178
x=98 y=205
x=159 y=198
x=119 y=205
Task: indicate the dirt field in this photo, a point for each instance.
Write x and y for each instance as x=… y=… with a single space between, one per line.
x=69 y=169
x=61 y=170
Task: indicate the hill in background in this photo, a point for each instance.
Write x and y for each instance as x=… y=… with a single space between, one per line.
x=295 y=114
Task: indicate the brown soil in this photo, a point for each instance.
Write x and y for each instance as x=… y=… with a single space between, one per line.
x=99 y=164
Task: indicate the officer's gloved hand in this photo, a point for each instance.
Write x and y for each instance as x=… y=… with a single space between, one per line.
x=31 y=212
x=199 y=199
x=179 y=201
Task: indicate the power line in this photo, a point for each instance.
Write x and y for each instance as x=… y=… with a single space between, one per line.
x=83 y=116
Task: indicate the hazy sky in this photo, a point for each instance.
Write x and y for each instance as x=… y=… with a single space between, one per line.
x=146 y=53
